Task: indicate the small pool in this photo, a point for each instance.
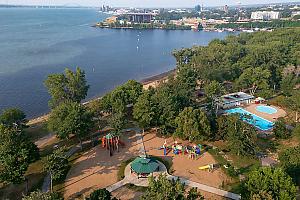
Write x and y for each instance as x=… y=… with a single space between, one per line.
x=266 y=109
x=258 y=122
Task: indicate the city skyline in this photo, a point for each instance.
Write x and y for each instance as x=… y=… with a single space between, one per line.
x=138 y=3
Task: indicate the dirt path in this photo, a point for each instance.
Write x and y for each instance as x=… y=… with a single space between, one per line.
x=44 y=141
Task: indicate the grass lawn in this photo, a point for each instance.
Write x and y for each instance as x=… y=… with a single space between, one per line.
x=37 y=131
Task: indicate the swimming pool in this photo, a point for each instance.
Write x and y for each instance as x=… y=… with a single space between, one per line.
x=266 y=109
x=258 y=122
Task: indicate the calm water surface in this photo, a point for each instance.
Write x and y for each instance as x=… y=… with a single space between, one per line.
x=37 y=42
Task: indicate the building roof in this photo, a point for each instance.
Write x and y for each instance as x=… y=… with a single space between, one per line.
x=234 y=97
x=144 y=165
x=268 y=162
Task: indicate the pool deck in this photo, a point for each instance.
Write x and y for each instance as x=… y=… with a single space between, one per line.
x=271 y=117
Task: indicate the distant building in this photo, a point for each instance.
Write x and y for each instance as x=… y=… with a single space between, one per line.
x=140 y=17
x=265 y=15
x=111 y=19
x=226 y=8
x=295 y=13
x=198 y=8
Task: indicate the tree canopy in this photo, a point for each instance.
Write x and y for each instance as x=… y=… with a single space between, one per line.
x=13 y=117
x=144 y=109
x=71 y=86
x=251 y=61
x=38 y=195
x=16 y=153
x=280 y=130
x=57 y=164
x=241 y=137
x=290 y=161
x=270 y=183
x=193 y=124
x=70 y=118
x=254 y=79
x=121 y=97
x=101 y=194
x=164 y=189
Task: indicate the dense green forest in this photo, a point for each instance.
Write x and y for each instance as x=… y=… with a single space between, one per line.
x=270 y=24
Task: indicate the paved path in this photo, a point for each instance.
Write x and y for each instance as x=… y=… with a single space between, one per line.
x=44 y=140
x=207 y=188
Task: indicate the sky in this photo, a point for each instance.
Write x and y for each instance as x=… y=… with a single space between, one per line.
x=141 y=3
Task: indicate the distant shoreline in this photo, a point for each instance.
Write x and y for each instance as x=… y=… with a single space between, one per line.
x=150 y=81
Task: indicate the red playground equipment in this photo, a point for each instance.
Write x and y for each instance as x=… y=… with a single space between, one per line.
x=111 y=142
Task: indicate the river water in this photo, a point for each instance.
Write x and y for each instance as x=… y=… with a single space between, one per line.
x=37 y=42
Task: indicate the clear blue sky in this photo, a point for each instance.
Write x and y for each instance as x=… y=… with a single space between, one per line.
x=139 y=3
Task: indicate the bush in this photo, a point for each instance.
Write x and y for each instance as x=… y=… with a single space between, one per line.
x=38 y=195
x=101 y=194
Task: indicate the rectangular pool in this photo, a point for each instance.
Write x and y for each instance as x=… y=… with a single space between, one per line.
x=258 y=122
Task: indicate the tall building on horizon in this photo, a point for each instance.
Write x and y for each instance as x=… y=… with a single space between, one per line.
x=198 y=8
x=226 y=8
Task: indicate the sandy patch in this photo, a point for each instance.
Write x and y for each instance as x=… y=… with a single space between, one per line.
x=185 y=167
x=96 y=169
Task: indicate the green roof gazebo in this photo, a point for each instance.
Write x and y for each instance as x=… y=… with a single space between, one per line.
x=143 y=166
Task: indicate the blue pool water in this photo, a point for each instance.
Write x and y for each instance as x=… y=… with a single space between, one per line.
x=258 y=122
x=266 y=109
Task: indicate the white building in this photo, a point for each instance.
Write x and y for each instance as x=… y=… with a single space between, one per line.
x=295 y=13
x=265 y=15
x=233 y=100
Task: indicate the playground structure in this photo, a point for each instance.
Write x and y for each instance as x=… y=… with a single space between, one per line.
x=192 y=151
x=111 y=142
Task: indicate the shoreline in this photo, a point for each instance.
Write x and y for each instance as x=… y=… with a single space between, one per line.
x=152 y=81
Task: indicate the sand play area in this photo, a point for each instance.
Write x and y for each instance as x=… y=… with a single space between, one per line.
x=185 y=167
x=96 y=169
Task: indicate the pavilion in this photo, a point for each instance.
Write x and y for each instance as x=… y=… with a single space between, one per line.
x=144 y=166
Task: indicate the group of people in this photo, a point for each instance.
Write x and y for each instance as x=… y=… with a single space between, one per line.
x=192 y=151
